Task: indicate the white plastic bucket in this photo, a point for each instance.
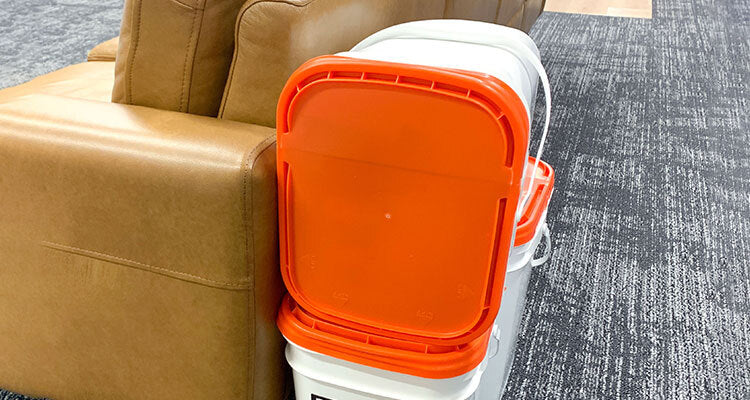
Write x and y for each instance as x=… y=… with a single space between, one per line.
x=496 y=50
x=511 y=56
x=505 y=332
x=506 y=53
x=321 y=377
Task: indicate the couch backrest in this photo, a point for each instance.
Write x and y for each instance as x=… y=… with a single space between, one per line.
x=175 y=54
x=276 y=37
x=519 y=14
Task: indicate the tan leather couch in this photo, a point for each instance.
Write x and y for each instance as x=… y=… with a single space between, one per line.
x=138 y=252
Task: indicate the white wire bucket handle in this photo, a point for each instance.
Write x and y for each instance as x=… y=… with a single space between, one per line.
x=547 y=249
x=494 y=346
x=547 y=112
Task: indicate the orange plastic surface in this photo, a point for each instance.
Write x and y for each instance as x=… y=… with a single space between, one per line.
x=542 y=185
x=413 y=358
x=398 y=186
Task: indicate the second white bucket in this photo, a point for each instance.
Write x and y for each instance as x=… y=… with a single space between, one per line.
x=321 y=377
x=512 y=57
x=505 y=332
x=506 y=53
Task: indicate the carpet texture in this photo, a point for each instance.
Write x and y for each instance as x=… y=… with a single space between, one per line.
x=647 y=295
x=41 y=36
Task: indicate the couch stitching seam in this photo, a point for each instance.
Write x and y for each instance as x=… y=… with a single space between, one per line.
x=248 y=164
x=147 y=267
x=235 y=56
x=251 y=348
x=130 y=64
x=192 y=65
x=185 y=63
x=254 y=294
x=272 y=140
x=192 y=7
x=250 y=158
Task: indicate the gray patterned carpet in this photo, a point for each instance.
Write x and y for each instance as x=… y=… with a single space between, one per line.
x=40 y=36
x=648 y=292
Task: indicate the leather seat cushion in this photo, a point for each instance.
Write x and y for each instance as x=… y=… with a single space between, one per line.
x=104 y=51
x=87 y=81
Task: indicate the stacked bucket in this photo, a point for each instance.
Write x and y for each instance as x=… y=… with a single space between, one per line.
x=410 y=212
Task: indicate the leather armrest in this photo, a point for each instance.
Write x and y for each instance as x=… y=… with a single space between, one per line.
x=145 y=245
x=105 y=51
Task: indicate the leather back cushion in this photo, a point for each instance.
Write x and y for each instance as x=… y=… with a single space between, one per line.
x=274 y=37
x=175 y=54
x=480 y=10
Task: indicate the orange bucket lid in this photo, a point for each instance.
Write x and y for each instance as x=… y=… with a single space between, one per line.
x=541 y=183
x=407 y=357
x=398 y=187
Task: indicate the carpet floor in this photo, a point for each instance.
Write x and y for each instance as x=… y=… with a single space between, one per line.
x=647 y=295
x=41 y=36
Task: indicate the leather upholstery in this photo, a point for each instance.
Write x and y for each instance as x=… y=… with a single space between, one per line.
x=105 y=51
x=532 y=9
x=194 y=40
x=139 y=246
x=519 y=14
x=274 y=37
x=295 y=31
x=175 y=54
x=139 y=252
